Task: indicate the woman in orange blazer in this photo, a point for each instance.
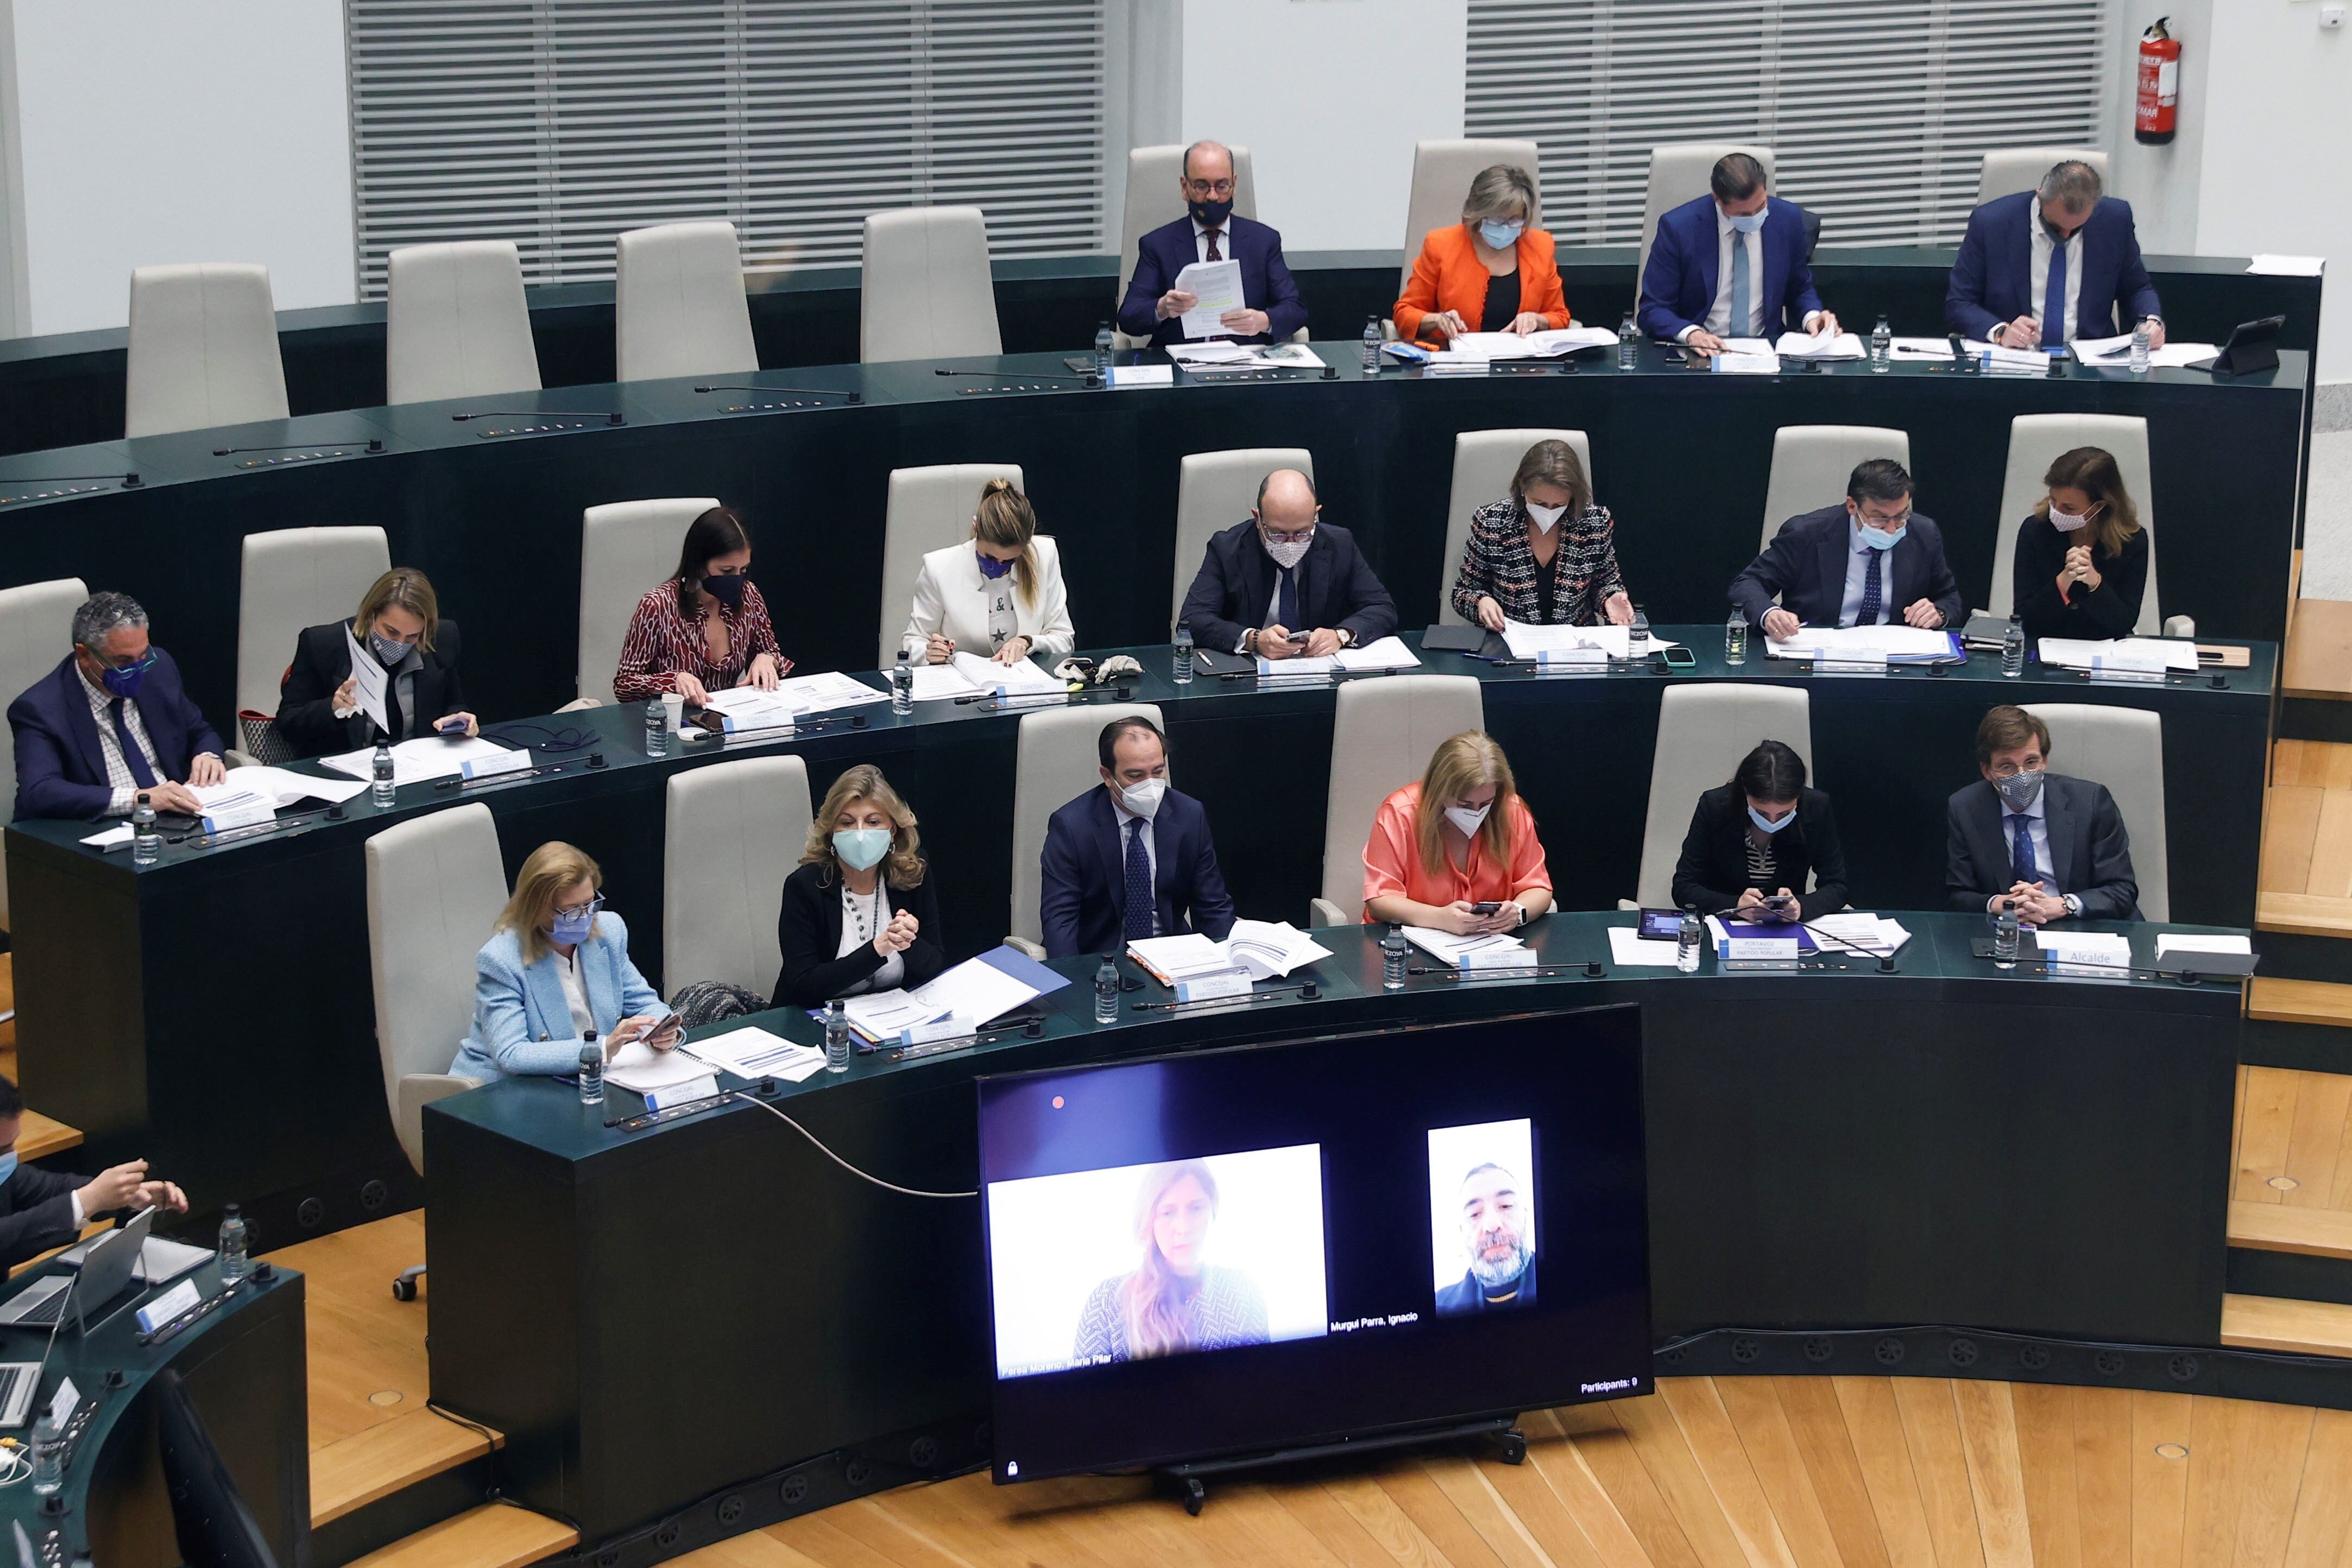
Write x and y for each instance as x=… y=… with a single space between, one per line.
x=1490 y=273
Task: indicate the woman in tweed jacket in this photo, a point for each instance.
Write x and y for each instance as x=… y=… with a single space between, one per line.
x=1545 y=553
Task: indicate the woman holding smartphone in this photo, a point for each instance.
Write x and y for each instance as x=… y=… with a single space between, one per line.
x=1458 y=851
x=1754 y=842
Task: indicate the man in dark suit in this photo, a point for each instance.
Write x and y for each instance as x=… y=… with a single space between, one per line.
x=40 y=1209
x=1209 y=231
x=1130 y=858
x=1283 y=574
x=1873 y=561
x=1732 y=263
x=2053 y=845
x=110 y=723
x=1496 y=1234
x=2043 y=268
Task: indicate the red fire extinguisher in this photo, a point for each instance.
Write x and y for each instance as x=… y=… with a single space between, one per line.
x=2157 y=112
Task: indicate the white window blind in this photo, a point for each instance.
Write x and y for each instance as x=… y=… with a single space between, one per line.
x=1878 y=111
x=559 y=123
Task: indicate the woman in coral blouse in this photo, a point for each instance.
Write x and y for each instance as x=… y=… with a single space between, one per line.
x=1460 y=838
x=1489 y=273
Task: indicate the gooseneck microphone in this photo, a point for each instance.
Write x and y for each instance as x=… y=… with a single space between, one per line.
x=131 y=481
x=1091 y=378
x=320 y=449
x=792 y=391
x=612 y=418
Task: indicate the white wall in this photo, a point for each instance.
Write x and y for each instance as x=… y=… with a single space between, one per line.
x=164 y=130
x=1329 y=96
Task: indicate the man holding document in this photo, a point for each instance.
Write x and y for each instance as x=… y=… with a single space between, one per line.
x=1210 y=274
x=1873 y=561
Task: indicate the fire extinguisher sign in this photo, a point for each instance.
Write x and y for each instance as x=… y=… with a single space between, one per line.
x=2157 y=111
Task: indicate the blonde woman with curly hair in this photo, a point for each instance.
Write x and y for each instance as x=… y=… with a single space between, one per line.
x=1175 y=1301
x=1459 y=838
x=861 y=912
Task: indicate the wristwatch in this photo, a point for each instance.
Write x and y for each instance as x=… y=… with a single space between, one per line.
x=1346 y=638
x=2074 y=906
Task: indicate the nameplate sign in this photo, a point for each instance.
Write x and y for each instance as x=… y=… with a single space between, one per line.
x=1496 y=957
x=1760 y=949
x=1214 y=987
x=181 y=1298
x=517 y=761
x=245 y=813
x=1850 y=663
x=2089 y=960
x=764 y=724
x=670 y=1096
x=1128 y=378
x=948 y=1028
x=2126 y=669
x=1573 y=658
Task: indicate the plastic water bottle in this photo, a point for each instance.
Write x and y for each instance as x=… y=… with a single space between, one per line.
x=1735 y=639
x=380 y=768
x=1686 y=941
x=49 y=1457
x=1371 y=348
x=1392 y=956
x=1107 y=990
x=902 y=685
x=1881 y=348
x=146 y=844
x=2012 y=648
x=2141 y=337
x=837 y=1036
x=1183 y=656
x=657 y=729
x=1637 y=635
x=236 y=1261
x=1629 y=343
x=2004 y=935
x=1102 y=345
x=591 y=1072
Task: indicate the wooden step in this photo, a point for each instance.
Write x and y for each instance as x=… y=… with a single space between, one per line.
x=2270 y=1322
x=2319 y=651
x=2299 y=1001
x=2284 y=1228
x=495 y=1535
x=2303 y=913
x=353 y=1472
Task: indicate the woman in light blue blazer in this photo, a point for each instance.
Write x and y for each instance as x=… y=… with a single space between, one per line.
x=556 y=966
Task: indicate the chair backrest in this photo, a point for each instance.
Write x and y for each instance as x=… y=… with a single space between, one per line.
x=732 y=833
x=204 y=349
x=2123 y=748
x=925 y=291
x=2035 y=440
x=455 y=324
x=434 y=884
x=294 y=577
x=1382 y=733
x=1812 y=462
x=1215 y=490
x=2016 y=169
x=930 y=508
x=1154 y=199
x=1483 y=462
x=1442 y=173
x=1703 y=732
x=678 y=307
x=625 y=547
x=1678 y=173
x=36 y=632
x=1056 y=760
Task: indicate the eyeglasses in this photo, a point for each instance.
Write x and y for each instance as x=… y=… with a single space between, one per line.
x=1210 y=187
x=594 y=907
x=1901 y=519
x=142 y=661
x=1274 y=537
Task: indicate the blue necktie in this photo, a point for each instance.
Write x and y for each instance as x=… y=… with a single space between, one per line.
x=2021 y=847
x=1742 y=297
x=1868 y=615
x=1286 y=603
x=2053 y=299
x=141 y=774
x=1138 y=884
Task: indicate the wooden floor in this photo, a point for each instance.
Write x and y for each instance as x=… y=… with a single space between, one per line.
x=2306 y=885
x=1800 y=1472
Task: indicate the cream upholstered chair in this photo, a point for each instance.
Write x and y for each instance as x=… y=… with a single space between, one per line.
x=2123 y=748
x=204 y=349
x=625 y=547
x=292 y=579
x=434 y=884
x=1483 y=462
x=925 y=291
x=679 y=307
x=1215 y=490
x=733 y=832
x=2035 y=440
x=2016 y=169
x=1678 y=173
x=1703 y=732
x=1382 y=733
x=1442 y=173
x=35 y=633
x=1154 y=199
x=1812 y=462
x=455 y=324
x=1057 y=759
x=930 y=508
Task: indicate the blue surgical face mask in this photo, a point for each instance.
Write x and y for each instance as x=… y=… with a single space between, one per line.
x=860 y=848
x=992 y=568
x=571 y=925
x=1500 y=235
x=124 y=682
x=1877 y=538
x=1751 y=222
x=1767 y=823
x=8 y=1165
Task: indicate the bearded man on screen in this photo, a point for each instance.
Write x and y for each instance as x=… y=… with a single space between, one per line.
x=1497 y=1234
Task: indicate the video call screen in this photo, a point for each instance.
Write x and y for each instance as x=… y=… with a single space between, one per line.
x=1257 y=1246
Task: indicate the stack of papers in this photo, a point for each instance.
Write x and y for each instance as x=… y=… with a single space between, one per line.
x=2115 y=353
x=1628 y=950
x=639 y=1066
x=2120 y=654
x=1874 y=933
x=282 y=787
x=415 y=761
x=815 y=693
x=2169 y=942
x=973 y=993
x=969 y=674
x=1269 y=950
x=1448 y=949
x=1169 y=959
x=749 y=707
x=1388 y=653
x=753 y=1052
x=1215 y=287
x=1896 y=644
x=1545 y=345
x=2288 y=265
x=1528 y=642
x=1230 y=356
x=1807 y=346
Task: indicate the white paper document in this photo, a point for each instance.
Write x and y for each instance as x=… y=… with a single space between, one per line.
x=973 y=992
x=755 y=1052
x=1387 y=654
x=112 y=838
x=1627 y=949
x=1447 y=948
x=1884 y=642
x=1269 y=950
x=939 y=683
x=1215 y=287
x=1529 y=642
x=886 y=1015
x=1228 y=356
x=639 y=1066
x=2288 y=265
x=1173 y=958
x=1827 y=346
x=2120 y=654
x=368 y=679
x=815 y=693
x=2115 y=353
x=1020 y=679
x=2170 y=942
x=1219 y=353
x=1553 y=339
x=283 y=787
x=1874 y=933
x=415 y=761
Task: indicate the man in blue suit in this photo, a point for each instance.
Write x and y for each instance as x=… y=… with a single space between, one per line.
x=1209 y=231
x=2043 y=268
x=1871 y=562
x=110 y=723
x=1130 y=858
x=1285 y=583
x=1731 y=265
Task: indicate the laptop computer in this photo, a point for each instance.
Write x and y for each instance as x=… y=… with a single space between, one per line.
x=106 y=1272
x=160 y=1261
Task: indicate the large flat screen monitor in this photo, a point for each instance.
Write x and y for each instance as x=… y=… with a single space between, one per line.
x=1237 y=1250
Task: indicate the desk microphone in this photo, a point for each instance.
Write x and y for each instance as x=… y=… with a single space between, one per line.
x=612 y=418
x=1091 y=378
x=130 y=481
x=1961 y=359
x=373 y=446
x=796 y=392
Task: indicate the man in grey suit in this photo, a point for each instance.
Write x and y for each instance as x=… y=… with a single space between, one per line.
x=2053 y=845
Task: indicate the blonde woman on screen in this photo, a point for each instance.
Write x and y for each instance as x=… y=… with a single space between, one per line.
x=1175 y=1300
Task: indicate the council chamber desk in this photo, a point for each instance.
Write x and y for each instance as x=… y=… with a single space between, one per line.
x=213 y=1013
x=660 y=1320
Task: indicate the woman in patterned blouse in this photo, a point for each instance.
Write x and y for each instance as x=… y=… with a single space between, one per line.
x=706 y=629
x=1545 y=554
x=1175 y=1301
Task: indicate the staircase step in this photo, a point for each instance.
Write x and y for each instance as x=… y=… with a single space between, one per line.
x=2319 y=651
x=352 y=1472
x=495 y=1535
x=2270 y=1322
x=2299 y=1001
x=2284 y=1228
x=2303 y=913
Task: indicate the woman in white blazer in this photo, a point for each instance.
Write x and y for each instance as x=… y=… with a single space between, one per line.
x=1001 y=596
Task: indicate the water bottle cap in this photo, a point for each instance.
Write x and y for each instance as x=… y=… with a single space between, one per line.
x=230 y=1211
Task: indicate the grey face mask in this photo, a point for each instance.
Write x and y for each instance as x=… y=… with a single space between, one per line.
x=388 y=653
x=2020 y=790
